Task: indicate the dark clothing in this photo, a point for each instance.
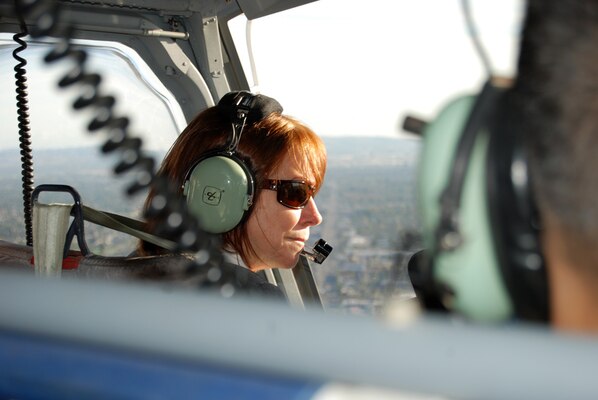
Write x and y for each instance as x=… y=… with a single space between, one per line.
x=174 y=268
x=252 y=283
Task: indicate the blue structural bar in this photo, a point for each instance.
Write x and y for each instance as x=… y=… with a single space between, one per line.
x=42 y=368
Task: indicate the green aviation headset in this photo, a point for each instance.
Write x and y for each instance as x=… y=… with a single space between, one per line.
x=220 y=186
x=479 y=220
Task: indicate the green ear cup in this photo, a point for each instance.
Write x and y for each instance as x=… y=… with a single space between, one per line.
x=471 y=271
x=219 y=192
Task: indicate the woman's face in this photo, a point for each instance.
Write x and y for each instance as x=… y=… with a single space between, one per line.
x=278 y=233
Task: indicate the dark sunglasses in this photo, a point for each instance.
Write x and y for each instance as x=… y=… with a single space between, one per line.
x=291 y=193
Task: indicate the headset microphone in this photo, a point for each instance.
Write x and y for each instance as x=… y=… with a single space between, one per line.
x=319 y=252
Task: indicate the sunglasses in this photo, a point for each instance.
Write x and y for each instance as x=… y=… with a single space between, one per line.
x=291 y=193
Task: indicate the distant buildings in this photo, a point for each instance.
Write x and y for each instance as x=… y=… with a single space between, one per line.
x=368 y=202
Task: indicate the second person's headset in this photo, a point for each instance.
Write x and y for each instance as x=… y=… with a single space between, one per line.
x=220 y=186
x=479 y=218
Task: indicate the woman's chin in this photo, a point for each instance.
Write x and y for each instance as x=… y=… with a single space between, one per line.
x=291 y=262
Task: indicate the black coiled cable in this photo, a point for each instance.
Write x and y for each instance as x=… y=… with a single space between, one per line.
x=168 y=206
x=24 y=131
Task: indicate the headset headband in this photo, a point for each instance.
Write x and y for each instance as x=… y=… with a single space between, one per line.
x=242 y=108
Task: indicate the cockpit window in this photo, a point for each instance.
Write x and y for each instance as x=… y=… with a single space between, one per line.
x=354 y=76
x=64 y=152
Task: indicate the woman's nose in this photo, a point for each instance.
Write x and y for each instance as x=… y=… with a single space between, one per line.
x=310 y=213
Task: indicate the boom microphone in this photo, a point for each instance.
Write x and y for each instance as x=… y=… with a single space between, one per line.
x=319 y=252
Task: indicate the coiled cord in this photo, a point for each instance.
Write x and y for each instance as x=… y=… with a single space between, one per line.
x=24 y=131
x=176 y=223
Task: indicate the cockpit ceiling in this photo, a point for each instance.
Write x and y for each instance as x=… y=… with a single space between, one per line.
x=259 y=8
x=251 y=8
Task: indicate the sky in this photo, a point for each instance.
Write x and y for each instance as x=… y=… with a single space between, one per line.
x=344 y=67
x=349 y=69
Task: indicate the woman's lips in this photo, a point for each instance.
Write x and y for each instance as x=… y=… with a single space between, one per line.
x=299 y=240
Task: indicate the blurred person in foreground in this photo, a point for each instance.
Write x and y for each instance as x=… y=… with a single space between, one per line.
x=556 y=92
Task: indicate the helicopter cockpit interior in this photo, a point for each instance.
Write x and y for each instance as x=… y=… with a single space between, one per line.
x=81 y=316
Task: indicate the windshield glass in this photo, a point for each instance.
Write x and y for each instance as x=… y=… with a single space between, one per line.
x=353 y=76
x=63 y=153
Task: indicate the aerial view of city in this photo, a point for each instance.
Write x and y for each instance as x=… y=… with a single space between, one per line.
x=368 y=203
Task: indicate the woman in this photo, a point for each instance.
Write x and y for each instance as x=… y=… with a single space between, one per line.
x=287 y=161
